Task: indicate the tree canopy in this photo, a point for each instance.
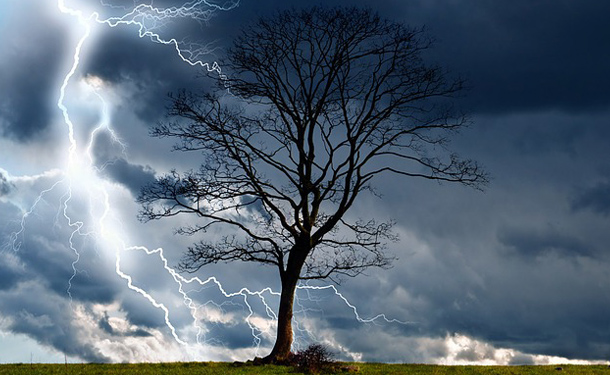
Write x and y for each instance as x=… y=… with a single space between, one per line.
x=313 y=107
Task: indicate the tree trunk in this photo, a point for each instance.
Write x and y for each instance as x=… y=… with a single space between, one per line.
x=283 y=343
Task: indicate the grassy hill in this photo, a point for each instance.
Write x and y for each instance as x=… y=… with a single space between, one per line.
x=215 y=368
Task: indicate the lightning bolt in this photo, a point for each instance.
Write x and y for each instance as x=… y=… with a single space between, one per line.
x=140 y=15
x=80 y=168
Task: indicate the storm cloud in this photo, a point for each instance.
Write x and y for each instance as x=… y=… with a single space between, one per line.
x=5 y=185
x=523 y=56
x=29 y=63
x=596 y=199
x=516 y=274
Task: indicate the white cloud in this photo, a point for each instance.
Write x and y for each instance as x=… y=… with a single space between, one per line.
x=464 y=350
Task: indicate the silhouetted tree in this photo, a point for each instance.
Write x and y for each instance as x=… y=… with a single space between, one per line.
x=330 y=99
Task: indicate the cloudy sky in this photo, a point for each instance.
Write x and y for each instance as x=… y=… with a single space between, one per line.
x=516 y=274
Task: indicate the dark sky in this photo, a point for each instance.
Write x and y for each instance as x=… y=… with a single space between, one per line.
x=515 y=274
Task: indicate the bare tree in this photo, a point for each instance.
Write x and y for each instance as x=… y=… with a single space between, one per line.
x=330 y=99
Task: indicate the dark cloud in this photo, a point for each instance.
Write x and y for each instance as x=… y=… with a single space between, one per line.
x=532 y=243
x=519 y=57
x=105 y=325
x=153 y=70
x=46 y=255
x=458 y=270
x=48 y=320
x=140 y=333
x=595 y=199
x=516 y=56
x=142 y=314
x=530 y=309
x=110 y=161
x=461 y=274
x=234 y=336
x=9 y=276
x=510 y=266
x=134 y=177
x=550 y=138
x=5 y=185
x=38 y=293
x=30 y=61
x=524 y=55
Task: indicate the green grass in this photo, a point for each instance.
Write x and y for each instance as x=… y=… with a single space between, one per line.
x=215 y=368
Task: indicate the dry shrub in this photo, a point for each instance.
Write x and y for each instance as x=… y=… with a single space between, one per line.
x=316 y=359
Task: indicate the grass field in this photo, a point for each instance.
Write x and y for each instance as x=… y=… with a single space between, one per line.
x=213 y=368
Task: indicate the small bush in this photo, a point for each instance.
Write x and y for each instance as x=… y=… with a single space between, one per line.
x=316 y=359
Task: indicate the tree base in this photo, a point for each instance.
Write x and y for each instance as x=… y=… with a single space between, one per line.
x=272 y=359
